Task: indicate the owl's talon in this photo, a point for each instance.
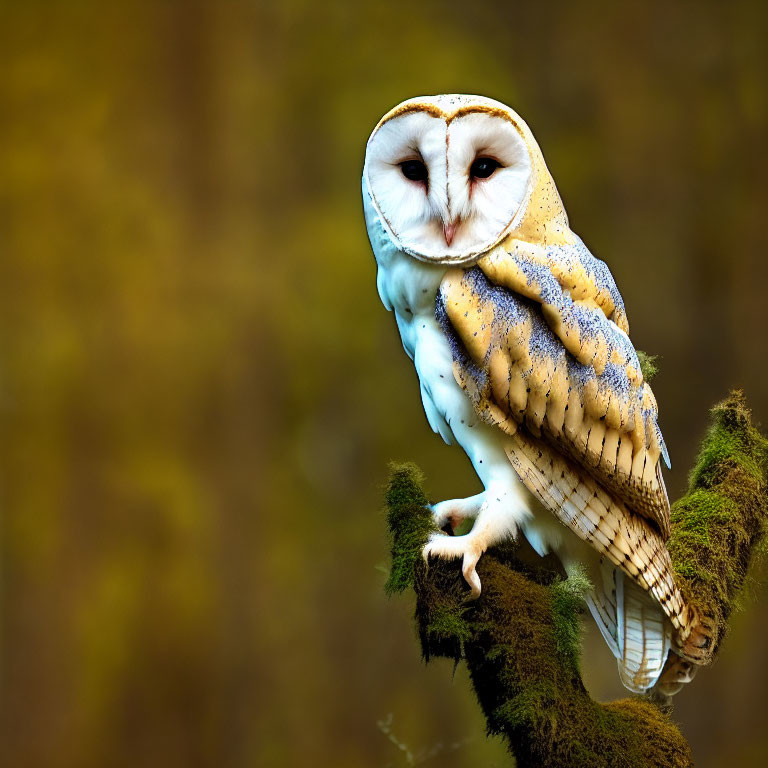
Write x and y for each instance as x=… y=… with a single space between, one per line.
x=469 y=570
x=493 y=523
x=468 y=547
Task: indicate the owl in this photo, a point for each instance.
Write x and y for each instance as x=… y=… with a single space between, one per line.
x=521 y=344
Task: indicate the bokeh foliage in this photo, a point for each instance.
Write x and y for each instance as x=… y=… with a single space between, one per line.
x=199 y=390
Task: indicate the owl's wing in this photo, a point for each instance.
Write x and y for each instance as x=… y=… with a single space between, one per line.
x=630 y=543
x=539 y=343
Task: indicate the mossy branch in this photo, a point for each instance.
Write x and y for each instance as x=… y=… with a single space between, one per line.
x=521 y=639
x=720 y=523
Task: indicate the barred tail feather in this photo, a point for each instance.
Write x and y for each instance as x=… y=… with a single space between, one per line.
x=634 y=627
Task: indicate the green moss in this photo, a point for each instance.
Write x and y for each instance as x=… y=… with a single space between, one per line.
x=648 y=365
x=567 y=602
x=532 y=704
x=731 y=437
x=448 y=623
x=409 y=521
x=698 y=518
x=720 y=523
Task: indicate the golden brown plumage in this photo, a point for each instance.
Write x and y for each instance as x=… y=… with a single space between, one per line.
x=586 y=446
x=604 y=420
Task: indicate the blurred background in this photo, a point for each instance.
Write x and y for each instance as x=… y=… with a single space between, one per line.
x=200 y=390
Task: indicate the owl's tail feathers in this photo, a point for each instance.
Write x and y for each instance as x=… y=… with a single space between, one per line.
x=634 y=627
x=628 y=544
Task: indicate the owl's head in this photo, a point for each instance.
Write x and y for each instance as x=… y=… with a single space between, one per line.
x=450 y=176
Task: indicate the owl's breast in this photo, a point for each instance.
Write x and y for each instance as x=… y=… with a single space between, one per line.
x=409 y=288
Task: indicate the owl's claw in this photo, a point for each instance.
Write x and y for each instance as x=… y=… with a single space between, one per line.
x=498 y=514
x=469 y=547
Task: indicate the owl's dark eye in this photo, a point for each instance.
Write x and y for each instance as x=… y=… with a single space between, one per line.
x=483 y=167
x=414 y=170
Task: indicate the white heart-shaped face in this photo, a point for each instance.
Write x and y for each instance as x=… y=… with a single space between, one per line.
x=448 y=188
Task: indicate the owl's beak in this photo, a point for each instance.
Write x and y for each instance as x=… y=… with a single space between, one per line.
x=449 y=230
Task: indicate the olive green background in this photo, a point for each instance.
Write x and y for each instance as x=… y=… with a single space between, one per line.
x=200 y=390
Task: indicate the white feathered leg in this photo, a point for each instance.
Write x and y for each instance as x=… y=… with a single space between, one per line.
x=454 y=512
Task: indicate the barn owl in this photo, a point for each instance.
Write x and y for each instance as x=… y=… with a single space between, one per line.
x=521 y=344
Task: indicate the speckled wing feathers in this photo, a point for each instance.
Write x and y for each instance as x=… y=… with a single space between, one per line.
x=562 y=277
x=559 y=364
x=626 y=539
x=581 y=420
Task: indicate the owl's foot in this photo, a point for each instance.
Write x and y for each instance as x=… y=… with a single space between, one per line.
x=467 y=547
x=454 y=512
x=496 y=520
